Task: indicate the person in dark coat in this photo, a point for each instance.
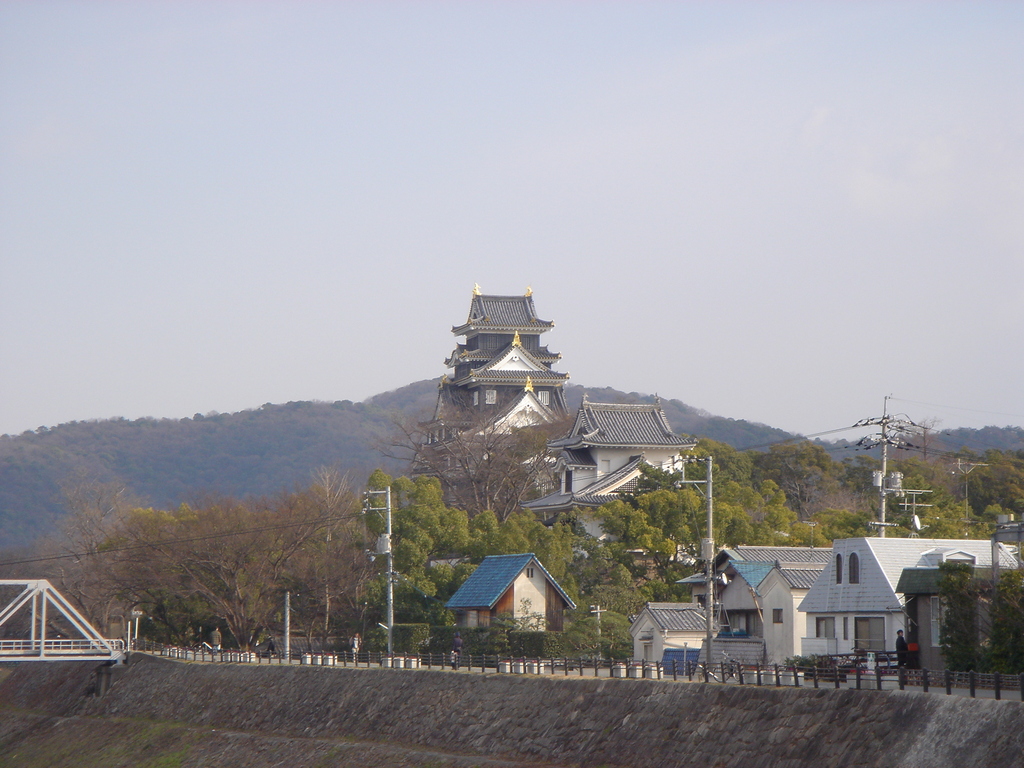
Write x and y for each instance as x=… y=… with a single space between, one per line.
x=456 y=650
x=902 y=653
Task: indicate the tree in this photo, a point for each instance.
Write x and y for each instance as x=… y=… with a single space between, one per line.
x=481 y=466
x=1006 y=648
x=958 y=633
x=95 y=511
x=234 y=555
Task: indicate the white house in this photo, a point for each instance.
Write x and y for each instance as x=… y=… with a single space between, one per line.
x=854 y=604
x=758 y=592
x=661 y=627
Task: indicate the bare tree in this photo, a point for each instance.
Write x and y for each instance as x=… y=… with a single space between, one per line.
x=481 y=466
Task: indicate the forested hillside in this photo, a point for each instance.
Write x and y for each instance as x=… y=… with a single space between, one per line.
x=256 y=452
x=267 y=450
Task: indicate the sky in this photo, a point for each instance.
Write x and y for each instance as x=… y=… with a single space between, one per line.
x=781 y=212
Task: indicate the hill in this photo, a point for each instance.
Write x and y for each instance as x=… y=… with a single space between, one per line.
x=255 y=452
x=262 y=451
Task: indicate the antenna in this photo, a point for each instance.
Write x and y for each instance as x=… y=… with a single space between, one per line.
x=894 y=429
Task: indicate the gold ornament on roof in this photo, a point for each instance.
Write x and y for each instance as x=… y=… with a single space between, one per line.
x=529 y=384
x=515 y=340
x=476 y=289
x=529 y=291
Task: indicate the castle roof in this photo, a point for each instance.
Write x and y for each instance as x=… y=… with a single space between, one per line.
x=502 y=314
x=630 y=425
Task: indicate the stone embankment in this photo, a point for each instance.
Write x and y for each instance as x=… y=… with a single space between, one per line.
x=443 y=718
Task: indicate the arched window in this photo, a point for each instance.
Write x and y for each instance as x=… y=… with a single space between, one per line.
x=854 y=568
x=839 y=569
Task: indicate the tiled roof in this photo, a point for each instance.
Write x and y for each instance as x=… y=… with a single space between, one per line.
x=492 y=577
x=752 y=572
x=783 y=554
x=633 y=424
x=678 y=617
x=579 y=457
x=606 y=488
x=538 y=377
x=800 y=578
x=506 y=312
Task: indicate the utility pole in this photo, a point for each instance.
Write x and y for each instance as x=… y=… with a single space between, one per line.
x=709 y=564
x=288 y=627
x=384 y=548
x=893 y=430
x=597 y=611
x=965 y=468
x=707 y=548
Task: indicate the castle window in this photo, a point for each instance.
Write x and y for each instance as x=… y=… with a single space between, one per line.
x=490 y=396
x=545 y=397
x=476 y=397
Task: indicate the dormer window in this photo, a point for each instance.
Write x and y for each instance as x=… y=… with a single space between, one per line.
x=854 y=568
x=839 y=569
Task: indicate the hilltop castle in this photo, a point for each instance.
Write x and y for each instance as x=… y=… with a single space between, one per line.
x=502 y=375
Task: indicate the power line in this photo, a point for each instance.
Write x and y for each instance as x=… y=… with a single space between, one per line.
x=958 y=408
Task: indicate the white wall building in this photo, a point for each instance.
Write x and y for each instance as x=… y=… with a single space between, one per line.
x=854 y=604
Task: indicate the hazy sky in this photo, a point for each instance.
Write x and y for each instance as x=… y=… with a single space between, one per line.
x=779 y=212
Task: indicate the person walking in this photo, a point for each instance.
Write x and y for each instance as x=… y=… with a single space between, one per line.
x=456 y=651
x=902 y=651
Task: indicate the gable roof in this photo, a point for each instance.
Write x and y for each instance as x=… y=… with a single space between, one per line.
x=493 y=577
x=752 y=572
x=621 y=424
x=605 y=488
x=675 y=617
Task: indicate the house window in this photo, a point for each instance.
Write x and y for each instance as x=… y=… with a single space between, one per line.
x=869 y=633
x=825 y=626
x=854 y=568
x=545 y=397
x=846 y=627
x=935 y=614
x=776 y=615
x=529 y=573
x=839 y=569
x=490 y=396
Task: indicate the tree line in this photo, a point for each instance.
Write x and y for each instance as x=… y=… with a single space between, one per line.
x=226 y=562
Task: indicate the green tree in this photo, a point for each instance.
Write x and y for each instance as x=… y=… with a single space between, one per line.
x=1006 y=649
x=958 y=634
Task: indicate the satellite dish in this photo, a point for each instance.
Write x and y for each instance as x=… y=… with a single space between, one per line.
x=915 y=523
x=723 y=579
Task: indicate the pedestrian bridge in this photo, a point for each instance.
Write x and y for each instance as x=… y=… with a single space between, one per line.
x=48 y=628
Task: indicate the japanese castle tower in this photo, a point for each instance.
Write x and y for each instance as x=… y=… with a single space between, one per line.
x=501 y=374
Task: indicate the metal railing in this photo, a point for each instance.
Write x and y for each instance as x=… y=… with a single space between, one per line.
x=13 y=650
x=879 y=678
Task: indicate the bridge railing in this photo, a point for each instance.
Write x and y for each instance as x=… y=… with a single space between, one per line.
x=20 y=649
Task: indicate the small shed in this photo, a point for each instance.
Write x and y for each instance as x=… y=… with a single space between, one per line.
x=663 y=627
x=513 y=586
